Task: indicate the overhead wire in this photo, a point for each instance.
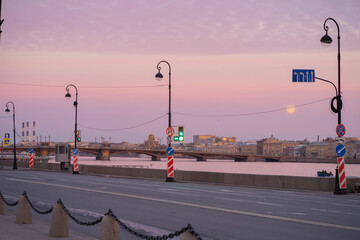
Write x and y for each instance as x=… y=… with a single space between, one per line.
x=97 y=87
x=71 y=137
x=249 y=114
x=203 y=115
x=125 y=128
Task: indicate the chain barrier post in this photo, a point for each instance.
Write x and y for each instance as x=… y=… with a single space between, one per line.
x=187 y=236
x=110 y=229
x=59 y=222
x=109 y=222
x=23 y=213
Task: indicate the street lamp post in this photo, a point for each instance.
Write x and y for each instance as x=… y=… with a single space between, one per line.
x=170 y=162
x=326 y=39
x=1 y=20
x=159 y=77
x=8 y=110
x=68 y=96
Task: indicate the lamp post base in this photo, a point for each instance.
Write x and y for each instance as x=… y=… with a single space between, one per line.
x=338 y=190
x=169 y=179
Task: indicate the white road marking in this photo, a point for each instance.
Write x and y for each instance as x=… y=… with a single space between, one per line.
x=240 y=200
x=175 y=191
x=345 y=205
x=151 y=188
x=219 y=209
x=299 y=214
x=331 y=211
x=270 y=204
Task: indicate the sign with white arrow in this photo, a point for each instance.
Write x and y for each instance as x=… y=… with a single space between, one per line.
x=303 y=75
x=340 y=150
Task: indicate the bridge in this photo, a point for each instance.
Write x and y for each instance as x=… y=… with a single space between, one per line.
x=105 y=151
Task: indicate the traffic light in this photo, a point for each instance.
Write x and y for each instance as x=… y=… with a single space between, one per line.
x=180 y=137
x=78 y=136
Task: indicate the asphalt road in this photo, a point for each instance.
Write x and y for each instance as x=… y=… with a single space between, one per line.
x=215 y=212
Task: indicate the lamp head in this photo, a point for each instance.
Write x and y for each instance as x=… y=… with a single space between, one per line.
x=326 y=40
x=68 y=95
x=7 y=109
x=159 y=76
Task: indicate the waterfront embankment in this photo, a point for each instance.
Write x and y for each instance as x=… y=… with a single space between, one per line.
x=326 y=184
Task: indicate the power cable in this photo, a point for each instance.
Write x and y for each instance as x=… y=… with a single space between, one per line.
x=70 y=139
x=126 y=128
x=105 y=87
x=249 y=114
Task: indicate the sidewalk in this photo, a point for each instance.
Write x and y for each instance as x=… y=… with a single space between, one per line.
x=38 y=230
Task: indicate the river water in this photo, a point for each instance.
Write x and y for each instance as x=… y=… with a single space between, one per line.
x=225 y=166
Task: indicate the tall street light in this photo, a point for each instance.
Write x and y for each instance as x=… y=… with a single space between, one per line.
x=170 y=162
x=326 y=39
x=8 y=110
x=68 y=96
x=1 y=20
x=159 y=77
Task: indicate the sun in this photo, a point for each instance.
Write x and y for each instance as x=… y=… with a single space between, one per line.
x=290 y=109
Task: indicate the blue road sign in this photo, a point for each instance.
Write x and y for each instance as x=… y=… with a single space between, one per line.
x=170 y=151
x=75 y=151
x=7 y=135
x=303 y=75
x=340 y=150
x=31 y=150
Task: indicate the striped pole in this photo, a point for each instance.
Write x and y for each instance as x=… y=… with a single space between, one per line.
x=342 y=178
x=31 y=158
x=76 y=161
x=170 y=168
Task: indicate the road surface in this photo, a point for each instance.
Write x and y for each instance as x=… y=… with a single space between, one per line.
x=215 y=211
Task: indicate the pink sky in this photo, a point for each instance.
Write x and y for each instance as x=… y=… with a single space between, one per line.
x=227 y=57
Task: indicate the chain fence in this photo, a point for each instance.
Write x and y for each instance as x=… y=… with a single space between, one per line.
x=188 y=228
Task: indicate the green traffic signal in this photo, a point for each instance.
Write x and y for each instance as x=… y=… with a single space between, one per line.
x=180 y=137
x=78 y=138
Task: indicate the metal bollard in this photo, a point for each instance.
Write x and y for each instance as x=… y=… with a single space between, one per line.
x=59 y=222
x=109 y=229
x=23 y=213
x=187 y=236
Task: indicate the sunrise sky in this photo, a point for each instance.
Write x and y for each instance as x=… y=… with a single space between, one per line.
x=231 y=65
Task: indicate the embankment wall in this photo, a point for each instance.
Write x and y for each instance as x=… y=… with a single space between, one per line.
x=324 y=184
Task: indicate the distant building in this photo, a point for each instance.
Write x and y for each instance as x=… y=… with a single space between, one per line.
x=296 y=151
x=211 y=143
x=273 y=146
x=211 y=139
x=151 y=143
x=317 y=149
x=249 y=148
x=204 y=139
